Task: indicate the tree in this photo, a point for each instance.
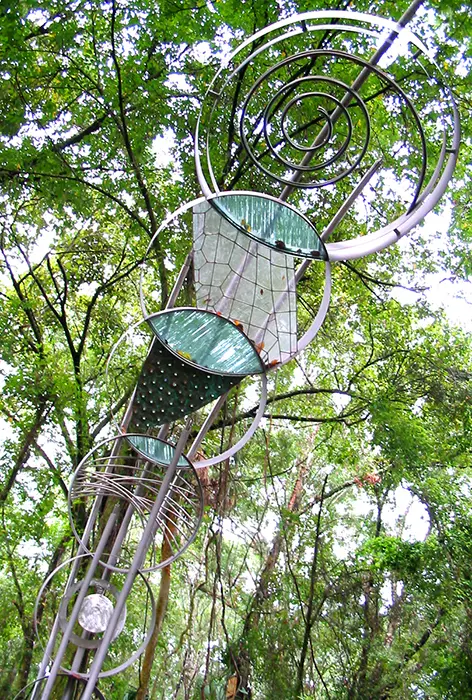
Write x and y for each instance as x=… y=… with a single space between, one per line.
x=383 y=396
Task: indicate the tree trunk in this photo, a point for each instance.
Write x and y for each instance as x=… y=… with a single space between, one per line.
x=161 y=608
x=243 y=660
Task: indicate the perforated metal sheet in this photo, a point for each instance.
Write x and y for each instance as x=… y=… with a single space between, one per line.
x=168 y=389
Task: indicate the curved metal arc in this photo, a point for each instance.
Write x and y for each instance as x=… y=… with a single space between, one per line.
x=173 y=507
x=109 y=492
x=310 y=334
x=245 y=438
x=113 y=486
x=381 y=239
x=395 y=28
x=300 y=167
x=174 y=523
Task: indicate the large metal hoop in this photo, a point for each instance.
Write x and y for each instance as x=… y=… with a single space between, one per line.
x=181 y=468
x=133 y=657
x=433 y=189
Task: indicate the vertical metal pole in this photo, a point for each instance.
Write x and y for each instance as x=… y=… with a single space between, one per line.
x=206 y=426
x=87 y=532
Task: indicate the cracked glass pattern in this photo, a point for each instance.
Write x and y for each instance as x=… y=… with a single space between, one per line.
x=251 y=284
x=207 y=340
x=156 y=450
x=272 y=223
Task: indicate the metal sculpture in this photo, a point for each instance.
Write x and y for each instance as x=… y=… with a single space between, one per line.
x=297 y=111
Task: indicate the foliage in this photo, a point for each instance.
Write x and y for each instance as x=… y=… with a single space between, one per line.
x=312 y=535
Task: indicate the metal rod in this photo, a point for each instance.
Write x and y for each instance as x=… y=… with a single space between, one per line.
x=163 y=431
x=179 y=282
x=87 y=532
x=206 y=427
x=135 y=565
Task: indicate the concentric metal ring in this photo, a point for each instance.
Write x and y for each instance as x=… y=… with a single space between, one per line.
x=247 y=137
x=135 y=655
x=325 y=134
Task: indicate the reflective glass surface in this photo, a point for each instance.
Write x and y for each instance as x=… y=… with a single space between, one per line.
x=272 y=223
x=156 y=450
x=209 y=341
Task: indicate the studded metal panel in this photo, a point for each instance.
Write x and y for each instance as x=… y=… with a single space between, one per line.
x=169 y=388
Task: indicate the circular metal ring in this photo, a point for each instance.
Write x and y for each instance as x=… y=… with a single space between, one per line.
x=136 y=654
x=290 y=86
x=430 y=183
x=137 y=486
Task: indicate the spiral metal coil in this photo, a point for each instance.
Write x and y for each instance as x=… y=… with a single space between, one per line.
x=310 y=104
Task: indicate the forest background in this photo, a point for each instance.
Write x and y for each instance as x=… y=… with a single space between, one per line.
x=335 y=556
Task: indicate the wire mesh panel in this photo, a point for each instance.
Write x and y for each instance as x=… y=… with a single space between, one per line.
x=245 y=281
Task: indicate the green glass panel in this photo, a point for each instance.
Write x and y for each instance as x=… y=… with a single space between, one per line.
x=169 y=389
x=272 y=223
x=156 y=450
x=210 y=341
